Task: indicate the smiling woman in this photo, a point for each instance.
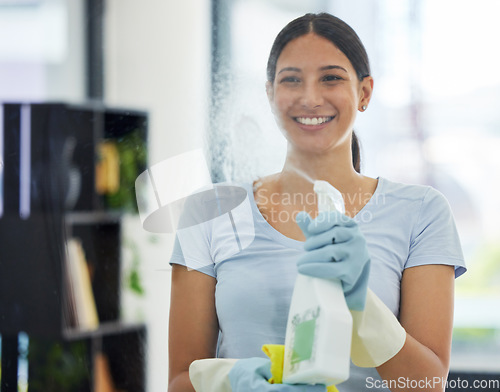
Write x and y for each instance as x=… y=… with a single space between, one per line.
x=397 y=268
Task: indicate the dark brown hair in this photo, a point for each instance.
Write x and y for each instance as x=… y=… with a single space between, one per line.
x=341 y=35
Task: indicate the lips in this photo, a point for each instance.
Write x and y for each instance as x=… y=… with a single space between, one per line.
x=313 y=120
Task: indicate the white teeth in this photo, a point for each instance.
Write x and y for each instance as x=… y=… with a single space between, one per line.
x=313 y=120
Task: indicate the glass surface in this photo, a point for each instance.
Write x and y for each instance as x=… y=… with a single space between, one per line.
x=433 y=120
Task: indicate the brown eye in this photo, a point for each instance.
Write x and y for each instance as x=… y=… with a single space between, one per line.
x=290 y=79
x=331 y=78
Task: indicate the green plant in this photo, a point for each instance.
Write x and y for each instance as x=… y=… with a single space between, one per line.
x=58 y=367
x=132 y=277
x=132 y=151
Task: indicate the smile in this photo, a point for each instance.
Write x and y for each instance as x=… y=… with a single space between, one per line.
x=313 y=120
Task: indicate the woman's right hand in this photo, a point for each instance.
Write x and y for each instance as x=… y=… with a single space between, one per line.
x=336 y=249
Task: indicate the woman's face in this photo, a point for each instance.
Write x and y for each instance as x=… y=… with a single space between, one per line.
x=316 y=94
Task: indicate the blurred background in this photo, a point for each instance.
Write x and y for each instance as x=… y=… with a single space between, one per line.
x=197 y=68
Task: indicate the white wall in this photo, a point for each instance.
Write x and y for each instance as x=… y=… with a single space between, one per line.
x=157 y=58
x=42 y=51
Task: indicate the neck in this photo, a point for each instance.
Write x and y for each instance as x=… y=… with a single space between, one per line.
x=337 y=169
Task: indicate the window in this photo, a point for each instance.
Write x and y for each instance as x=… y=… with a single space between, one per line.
x=433 y=120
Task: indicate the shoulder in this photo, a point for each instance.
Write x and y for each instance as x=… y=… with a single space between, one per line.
x=213 y=222
x=412 y=205
x=424 y=196
x=424 y=207
x=404 y=190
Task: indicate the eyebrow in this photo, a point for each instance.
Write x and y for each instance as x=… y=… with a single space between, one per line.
x=325 y=68
x=293 y=69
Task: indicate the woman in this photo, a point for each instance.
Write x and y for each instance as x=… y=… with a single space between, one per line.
x=397 y=254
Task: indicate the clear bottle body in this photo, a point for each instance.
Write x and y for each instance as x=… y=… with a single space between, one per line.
x=318 y=338
x=319 y=328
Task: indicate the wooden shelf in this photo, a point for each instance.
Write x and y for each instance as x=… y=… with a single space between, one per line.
x=51 y=156
x=104 y=329
x=92 y=217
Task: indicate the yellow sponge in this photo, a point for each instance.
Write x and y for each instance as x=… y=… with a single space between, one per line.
x=276 y=353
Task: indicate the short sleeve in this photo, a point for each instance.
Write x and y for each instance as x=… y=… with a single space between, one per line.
x=214 y=224
x=434 y=238
x=194 y=256
x=193 y=234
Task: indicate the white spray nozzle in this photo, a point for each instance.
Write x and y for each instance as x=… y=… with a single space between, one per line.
x=329 y=198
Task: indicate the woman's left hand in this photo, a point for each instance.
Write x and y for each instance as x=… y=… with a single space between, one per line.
x=252 y=375
x=336 y=249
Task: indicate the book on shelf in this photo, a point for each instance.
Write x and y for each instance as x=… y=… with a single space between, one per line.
x=81 y=307
x=107 y=171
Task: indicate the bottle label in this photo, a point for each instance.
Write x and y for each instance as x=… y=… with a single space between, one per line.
x=304 y=337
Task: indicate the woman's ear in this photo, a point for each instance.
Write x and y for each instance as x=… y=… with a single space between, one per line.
x=365 y=92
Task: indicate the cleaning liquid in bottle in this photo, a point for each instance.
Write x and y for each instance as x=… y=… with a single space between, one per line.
x=318 y=334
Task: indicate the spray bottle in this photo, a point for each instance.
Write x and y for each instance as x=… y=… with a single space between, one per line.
x=318 y=334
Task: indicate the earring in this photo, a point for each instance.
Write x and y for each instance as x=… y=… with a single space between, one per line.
x=363 y=107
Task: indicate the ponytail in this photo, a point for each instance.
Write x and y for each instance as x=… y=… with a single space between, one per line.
x=356 y=155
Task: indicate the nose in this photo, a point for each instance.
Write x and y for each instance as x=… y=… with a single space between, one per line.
x=311 y=96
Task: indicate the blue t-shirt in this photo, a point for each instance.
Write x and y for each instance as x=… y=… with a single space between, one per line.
x=255 y=265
